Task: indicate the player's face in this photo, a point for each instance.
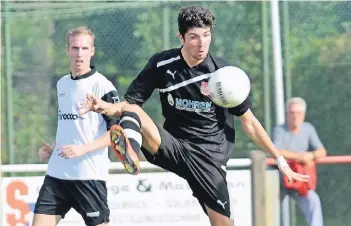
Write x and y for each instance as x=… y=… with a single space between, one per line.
x=196 y=42
x=80 y=51
x=295 y=115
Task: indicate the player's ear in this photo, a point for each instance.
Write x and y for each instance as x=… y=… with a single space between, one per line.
x=181 y=38
x=67 y=50
x=93 y=51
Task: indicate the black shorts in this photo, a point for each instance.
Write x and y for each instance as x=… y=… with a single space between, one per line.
x=206 y=178
x=87 y=197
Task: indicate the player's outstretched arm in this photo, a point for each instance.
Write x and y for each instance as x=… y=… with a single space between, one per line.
x=99 y=106
x=76 y=150
x=257 y=133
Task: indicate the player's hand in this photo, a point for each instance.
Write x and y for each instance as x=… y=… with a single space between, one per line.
x=291 y=175
x=71 y=151
x=91 y=104
x=45 y=151
x=287 y=171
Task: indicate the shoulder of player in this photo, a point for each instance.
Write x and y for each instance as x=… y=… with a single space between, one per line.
x=220 y=62
x=163 y=58
x=63 y=79
x=99 y=76
x=103 y=82
x=105 y=88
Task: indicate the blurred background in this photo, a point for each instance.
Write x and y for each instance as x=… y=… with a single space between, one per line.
x=316 y=55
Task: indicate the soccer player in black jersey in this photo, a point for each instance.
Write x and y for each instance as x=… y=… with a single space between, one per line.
x=197 y=136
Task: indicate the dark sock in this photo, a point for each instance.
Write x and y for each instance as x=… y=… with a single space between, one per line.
x=131 y=124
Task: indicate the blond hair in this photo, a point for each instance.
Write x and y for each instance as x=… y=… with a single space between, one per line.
x=82 y=30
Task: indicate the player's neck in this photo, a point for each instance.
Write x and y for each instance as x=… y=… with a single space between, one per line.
x=76 y=73
x=190 y=60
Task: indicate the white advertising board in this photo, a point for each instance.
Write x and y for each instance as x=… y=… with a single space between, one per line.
x=148 y=199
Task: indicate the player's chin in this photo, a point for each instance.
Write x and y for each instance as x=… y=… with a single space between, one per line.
x=200 y=56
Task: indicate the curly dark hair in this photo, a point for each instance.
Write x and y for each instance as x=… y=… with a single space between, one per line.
x=194 y=16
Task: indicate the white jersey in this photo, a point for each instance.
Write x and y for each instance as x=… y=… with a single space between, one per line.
x=75 y=129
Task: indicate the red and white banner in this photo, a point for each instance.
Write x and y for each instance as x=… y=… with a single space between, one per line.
x=148 y=199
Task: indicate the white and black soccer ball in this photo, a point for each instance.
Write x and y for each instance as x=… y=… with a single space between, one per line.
x=229 y=86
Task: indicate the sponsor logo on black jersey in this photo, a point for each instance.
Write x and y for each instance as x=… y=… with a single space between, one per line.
x=170 y=99
x=192 y=105
x=189 y=105
x=68 y=116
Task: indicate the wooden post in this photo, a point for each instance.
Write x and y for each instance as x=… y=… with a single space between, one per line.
x=258 y=175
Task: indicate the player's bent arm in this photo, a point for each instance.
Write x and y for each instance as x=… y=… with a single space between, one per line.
x=98 y=143
x=290 y=155
x=257 y=133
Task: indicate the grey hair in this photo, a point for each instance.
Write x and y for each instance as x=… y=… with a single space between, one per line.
x=296 y=100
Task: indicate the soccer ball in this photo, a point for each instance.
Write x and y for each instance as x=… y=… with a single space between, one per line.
x=229 y=86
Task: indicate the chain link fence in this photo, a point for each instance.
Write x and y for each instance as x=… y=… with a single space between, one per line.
x=319 y=57
x=316 y=50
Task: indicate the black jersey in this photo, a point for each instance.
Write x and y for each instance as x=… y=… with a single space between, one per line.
x=189 y=113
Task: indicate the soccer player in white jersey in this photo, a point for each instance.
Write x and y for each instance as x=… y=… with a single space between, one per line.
x=78 y=165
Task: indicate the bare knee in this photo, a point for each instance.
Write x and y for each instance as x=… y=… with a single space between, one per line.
x=44 y=219
x=218 y=219
x=149 y=130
